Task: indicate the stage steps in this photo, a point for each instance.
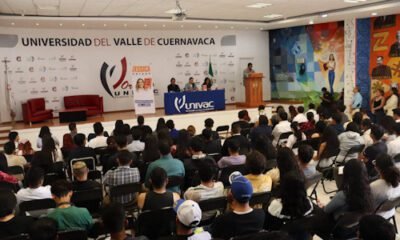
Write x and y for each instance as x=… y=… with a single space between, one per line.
x=4 y=130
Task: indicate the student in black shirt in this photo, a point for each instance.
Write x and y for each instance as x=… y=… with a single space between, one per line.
x=80 y=172
x=243 y=219
x=173 y=87
x=10 y=224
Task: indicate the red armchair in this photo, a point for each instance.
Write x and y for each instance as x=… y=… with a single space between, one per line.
x=34 y=110
x=93 y=103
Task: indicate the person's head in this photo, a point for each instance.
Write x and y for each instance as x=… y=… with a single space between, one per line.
x=9 y=148
x=379 y=93
x=80 y=140
x=283 y=116
x=324 y=90
x=352 y=127
x=164 y=147
x=342 y=108
x=379 y=60
x=293 y=194
x=356 y=89
x=292 y=110
x=209 y=123
x=98 y=128
x=113 y=218
x=80 y=171
x=72 y=127
x=337 y=118
x=250 y=66
x=366 y=124
x=262 y=120
x=111 y=143
x=170 y=124
x=196 y=145
x=286 y=161
x=255 y=162
x=124 y=158
x=331 y=57
x=296 y=130
x=188 y=216
x=236 y=128
x=242 y=114
x=44 y=131
x=320 y=127
x=121 y=141
x=377 y=132
x=49 y=144
x=300 y=109
x=208 y=170
x=191 y=80
x=330 y=136
x=357 y=118
x=305 y=153
x=158 y=178
x=13 y=136
x=35 y=177
x=373 y=227
x=233 y=147
x=61 y=190
x=172 y=81
x=191 y=130
x=310 y=116
x=43 y=229
x=241 y=188
x=68 y=142
x=140 y=120
x=394 y=91
x=388 y=171
x=8 y=202
x=206 y=81
x=396 y=113
x=261 y=108
x=356 y=186
x=389 y=124
x=160 y=124
x=311 y=106
x=118 y=124
x=140 y=83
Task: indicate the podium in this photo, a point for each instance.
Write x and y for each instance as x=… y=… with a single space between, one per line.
x=254 y=91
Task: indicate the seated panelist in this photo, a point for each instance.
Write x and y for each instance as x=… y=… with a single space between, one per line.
x=173 y=87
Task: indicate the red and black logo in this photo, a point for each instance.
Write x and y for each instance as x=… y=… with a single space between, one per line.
x=120 y=88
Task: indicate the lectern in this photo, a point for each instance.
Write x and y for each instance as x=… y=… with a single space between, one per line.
x=253 y=86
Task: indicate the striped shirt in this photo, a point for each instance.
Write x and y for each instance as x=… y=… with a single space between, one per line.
x=119 y=176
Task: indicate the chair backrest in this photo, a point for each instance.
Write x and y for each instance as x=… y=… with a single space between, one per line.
x=260 y=198
x=174 y=181
x=283 y=138
x=17 y=237
x=245 y=132
x=219 y=203
x=157 y=223
x=354 y=150
x=397 y=158
x=226 y=172
x=78 y=234
x=311 y=181
x=8 y=186
x=223 y=128
x=15 y=170
x=388 y=205
x=90 y=199
x=95 y=175
x=124 y=189
x=338 y=176
x=34 y=205
x=347 y=225
x=49 y=178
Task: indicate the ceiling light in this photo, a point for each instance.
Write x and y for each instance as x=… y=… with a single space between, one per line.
x=105 y=25
x=271 y=16
x=163 y=25
x=13 y=23
x=83 y=24
x=60 y=24
x=216 y=26
x=354 y=1
x=37 y=24
x=232 y=27
x=324 y=15
x=259 y=5
x=125 y=25
x=181 y=26
x=175 y=11
x=374 y=14
x=145 y=25
x=199 y=26
x=261 y=28
x=311 y=22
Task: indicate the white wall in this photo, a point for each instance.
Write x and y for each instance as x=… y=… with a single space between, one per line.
x=46 y=75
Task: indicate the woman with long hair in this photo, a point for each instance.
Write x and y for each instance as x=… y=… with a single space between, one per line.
x=207 y=84
x=150 y=152
x=388 y=123
x=263 y=144
x=297 y=135
x=47 y=156
x=182 y=145
x=287 y=162
x=45 y=132
x=328 y=148
x=377 y=104
x=161 y=125
x=68 y=145
x=387 y=186
x=119 y=124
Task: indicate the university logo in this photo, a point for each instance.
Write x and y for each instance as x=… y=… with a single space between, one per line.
x=122 y=87
x=182 y=106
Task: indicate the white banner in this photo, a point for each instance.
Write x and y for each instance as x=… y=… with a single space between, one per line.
x=143 y=93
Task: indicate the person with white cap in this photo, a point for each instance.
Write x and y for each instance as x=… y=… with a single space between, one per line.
x=243 y=219
x=188 y=217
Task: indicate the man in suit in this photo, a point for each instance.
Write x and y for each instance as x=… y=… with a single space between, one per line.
x=395 y=48
x=381 y=71
x=243 y=141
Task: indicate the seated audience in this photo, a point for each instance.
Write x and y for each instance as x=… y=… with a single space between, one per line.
x=10 y=223
x=160 y=125
x=118 y=125
x=81 y=181
x=211 y=144
x=261 y=129
x=144 y=129
x=243 y=219
x=394 y=146
x=336 y=123
x=372 y=152
x=387 y=187
x=14 y=138
x=25 y=149
x=263 y=144
x=344 y=117
x=12 y=158
x=300 y=117
x=319 y=129
x=173 y=133
x=308 y=126
x=389 y=125
x=305 y=155
x=282 y=127
x=234 y=158
x=136 y=145
x=292 y=112
x=45 y=132
x=357 y=119
x=244 y=120
x=35 y=189
x=328 y=149
x=348 y=139
x=158 y=197
x=72 y=129
x=67 y=216
x=366 y=125
x=100 y=140
x=81 y=151
x=373 y=227
x=150 y=152
x=172 y=166
x=287 y=162
x=68 y=145
x=255 y=164
x=297 y=135
x=244 y=144
x=209 y=124
x=123 y=174
x=43 y=229
x=46 y=157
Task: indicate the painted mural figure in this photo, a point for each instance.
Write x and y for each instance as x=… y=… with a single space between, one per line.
x=330 y=66
x=381 y=71
x=395 y=48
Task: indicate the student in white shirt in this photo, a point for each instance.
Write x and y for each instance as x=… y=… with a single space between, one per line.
x=100 y=140
x=35 y=189
x=282 y=127
x=387 y=186
x=136 y=145
x=348 y=139
x=300 y=117
x=311 y=108
x=12 y=158
x=366 y=129
x=391 y=103
x=394 y=145
x=396 y=114
x=297 y=135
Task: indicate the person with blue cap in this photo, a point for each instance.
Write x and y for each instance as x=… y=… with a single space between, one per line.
x=242 y=219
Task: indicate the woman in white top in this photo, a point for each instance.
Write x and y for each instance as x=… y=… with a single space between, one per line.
x=331 y=65
x=391 y=103
x=387 y=186
x=45 y=132
x=297 y=135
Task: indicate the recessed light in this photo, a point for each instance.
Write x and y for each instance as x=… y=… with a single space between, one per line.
x=374 y=14
x=175 y=11
x=60 y=24
x=261 y=28
x=105 y=25
x=37 y=24
x=125 y=25
x=247 y=28
x=311 y=22
x=216 y=26
x=354 y=1
x=199 y=26
x=324 y=15
x=145 y=25
x=181 y=26
x=13 y=23
x=163 y=25
x=83 y=24
x=271 y=16
x=232 y=27
x=259 y=5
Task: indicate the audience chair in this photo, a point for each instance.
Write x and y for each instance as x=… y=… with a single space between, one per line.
x=226 y=172
x=313 y=182
x=346 y=226
x=213 y=204
x=95 y=175
x=174 y=181
x=157 y=223
x=224 y=129
x=9 y=186
x=215 y=156
x=327 y=172
x=125 y=189
x=261 y=198
x=49 y=178
x=77 y=234
x=17 y=237
x=89 y=161
x=283 y=138
x=388 y=205
x=245 y=132
x=353 y=150
x=90 y=199
x=15 y=170
x=100 y=151
x=35 y=205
